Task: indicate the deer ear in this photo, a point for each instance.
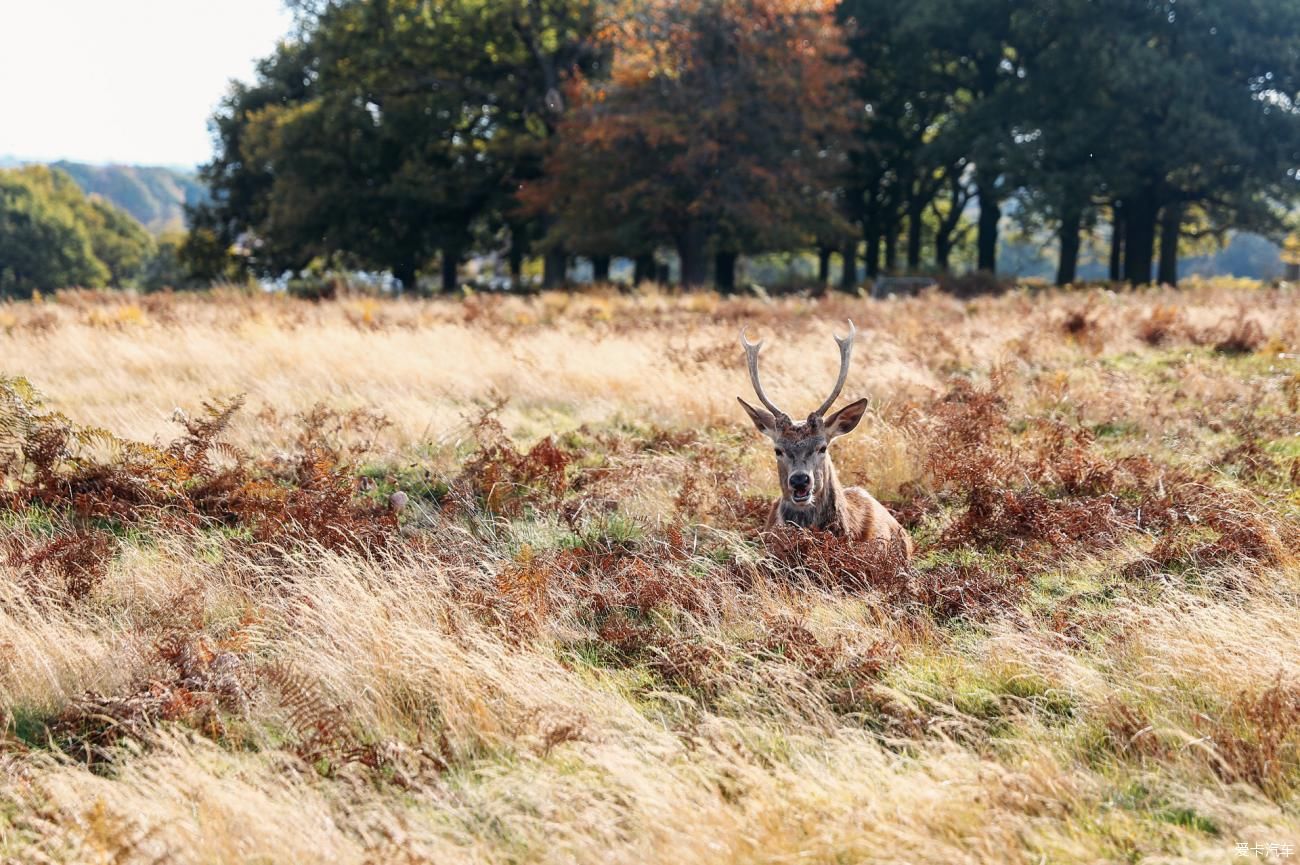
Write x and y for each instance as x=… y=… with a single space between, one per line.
x=846 y=419
x=763 y=420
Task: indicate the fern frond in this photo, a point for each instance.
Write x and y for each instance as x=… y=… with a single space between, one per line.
x=319 y=725
x=91 y=436
x=230 y=452
x=18 y=404
x=22 y=390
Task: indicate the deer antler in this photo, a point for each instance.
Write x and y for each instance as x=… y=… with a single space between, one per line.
x=846 y=352
x=751 y=357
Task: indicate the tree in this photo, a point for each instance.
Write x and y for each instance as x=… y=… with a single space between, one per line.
x=54 y=236
x=402 y=135
x=1058 y=153
x=388 y=129
x=719 y=126
x=979 y=50
x=121 y=243
x=165 y=269
x=905 y=96
x=241 y=186
x=1203 y=102
x=936 y=92
x=951 y=230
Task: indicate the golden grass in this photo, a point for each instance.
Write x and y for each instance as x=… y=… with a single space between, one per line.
x=577 y=358
x=481 y=693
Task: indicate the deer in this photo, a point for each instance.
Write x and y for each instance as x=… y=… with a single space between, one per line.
x=812 y=496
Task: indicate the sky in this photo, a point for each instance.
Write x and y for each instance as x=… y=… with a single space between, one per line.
x=124 y=81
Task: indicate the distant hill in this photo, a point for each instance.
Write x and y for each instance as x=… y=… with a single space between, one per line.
x=154 y=195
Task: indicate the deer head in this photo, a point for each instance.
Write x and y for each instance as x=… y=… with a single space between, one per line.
x=802 y=455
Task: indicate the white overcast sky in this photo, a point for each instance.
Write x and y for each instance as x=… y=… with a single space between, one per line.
x=124 y=80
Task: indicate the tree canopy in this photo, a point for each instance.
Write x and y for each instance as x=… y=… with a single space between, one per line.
x=392 y=130
x=52 y=235
x=405 y=135
x=715 y=124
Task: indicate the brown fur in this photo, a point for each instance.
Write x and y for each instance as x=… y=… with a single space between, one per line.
x=811 y=494
x=849 y=512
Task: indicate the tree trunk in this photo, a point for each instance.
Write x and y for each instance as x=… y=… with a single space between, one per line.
x=1139 y=237
x=1171 y=226
x=690 y=249
x=943 y=250
x=849 y=275
x=943 y=237
x=915 y=224
x=1067 y=266
x=823 y=265
x=404 y=273
x=990 y=214
x=450 y=270
x=555 y=269
x=1116 y=242
x=891 y=247
x=600 y=268
x=724 y=271
x=516 y=260
x=873 y=252
x=644 y=270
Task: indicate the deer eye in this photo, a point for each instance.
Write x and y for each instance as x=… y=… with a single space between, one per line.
x=822 y=449
x=780 y=452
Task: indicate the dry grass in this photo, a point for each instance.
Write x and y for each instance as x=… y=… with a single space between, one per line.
x=482 y=582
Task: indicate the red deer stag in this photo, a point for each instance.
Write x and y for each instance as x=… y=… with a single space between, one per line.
x=811 y=493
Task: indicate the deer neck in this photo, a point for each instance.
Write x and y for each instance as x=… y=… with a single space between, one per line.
x=825 y=513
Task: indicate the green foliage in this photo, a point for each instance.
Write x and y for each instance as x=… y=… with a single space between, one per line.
x=404 y=135
x=53 y=236
x=207 y=254
x=120 y=242
x=389 y=131
x=43 y=243
x=166 y=268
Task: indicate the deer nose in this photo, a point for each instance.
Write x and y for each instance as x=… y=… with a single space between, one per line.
x=800 y=481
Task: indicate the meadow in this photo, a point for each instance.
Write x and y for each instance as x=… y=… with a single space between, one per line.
x=482 y=580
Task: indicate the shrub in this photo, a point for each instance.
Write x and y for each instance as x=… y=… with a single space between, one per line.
x=974 y=284
x=501 y=479
x=1162 y=325
x=195 y=480
x=1240 y=335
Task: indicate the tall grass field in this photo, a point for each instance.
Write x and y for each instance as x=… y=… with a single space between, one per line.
x=485 y=581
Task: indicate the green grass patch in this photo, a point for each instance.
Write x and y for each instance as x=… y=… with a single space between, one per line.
x=414 y=479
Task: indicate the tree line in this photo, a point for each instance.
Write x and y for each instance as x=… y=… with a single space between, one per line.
x=888 y=136
x=53 y=235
